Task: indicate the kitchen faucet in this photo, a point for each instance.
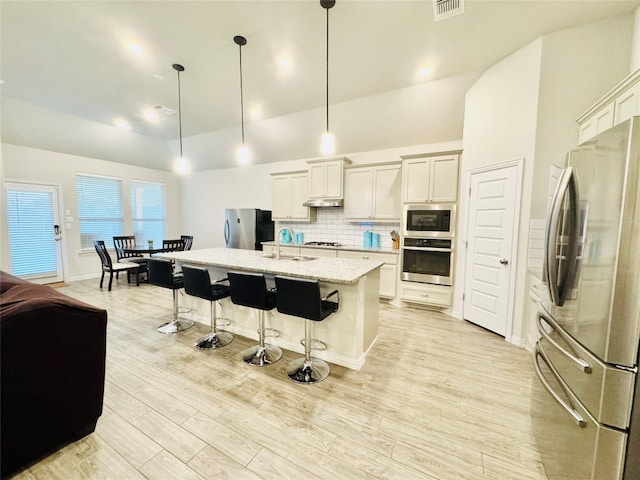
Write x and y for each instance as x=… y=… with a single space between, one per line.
x=278 y=240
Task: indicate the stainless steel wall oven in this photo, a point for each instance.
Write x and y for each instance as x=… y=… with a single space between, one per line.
x=428 y=260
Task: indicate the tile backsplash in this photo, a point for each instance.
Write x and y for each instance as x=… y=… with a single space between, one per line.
x=331 y=226
x=536 y=243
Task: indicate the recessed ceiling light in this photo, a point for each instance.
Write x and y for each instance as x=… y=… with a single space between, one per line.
x=285 y=64
x=255 y=113
x=135 y=48
x=423 y=72
x=151 y=116
x=122 y=123
x=157 y=76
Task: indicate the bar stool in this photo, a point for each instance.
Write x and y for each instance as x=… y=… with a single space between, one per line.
x=250 y=290
x=301 y=298
x=161 y=274
x=197 y=283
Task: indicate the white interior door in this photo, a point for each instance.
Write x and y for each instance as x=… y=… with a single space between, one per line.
x=35 y=235
x=493 y=211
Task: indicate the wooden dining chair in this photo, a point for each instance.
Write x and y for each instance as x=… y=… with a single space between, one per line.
x=176 y=245
x=188 y=241
x=109 y=267
x=122 y=242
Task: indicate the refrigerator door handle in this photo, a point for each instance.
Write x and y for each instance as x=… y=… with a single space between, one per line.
x=226 y=232
x=539 y=354
x=582 y=364
x=567 y=183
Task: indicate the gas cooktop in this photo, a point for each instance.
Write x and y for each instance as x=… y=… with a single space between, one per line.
x=324 y=244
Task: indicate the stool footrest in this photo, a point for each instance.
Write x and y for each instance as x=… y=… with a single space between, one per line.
x=315 y=344
x=270 y=333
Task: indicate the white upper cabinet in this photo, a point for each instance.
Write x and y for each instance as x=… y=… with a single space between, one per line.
x=373 y=192
x=430 y=178
x=289 y=192
x=621 y=103
x=326 y=177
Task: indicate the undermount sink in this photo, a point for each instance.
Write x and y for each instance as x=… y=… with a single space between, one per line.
x=295 y=258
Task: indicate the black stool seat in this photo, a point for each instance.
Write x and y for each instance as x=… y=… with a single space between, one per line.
x=250 y=290
x=302 y=298
x=197 y=282
x=161 y=274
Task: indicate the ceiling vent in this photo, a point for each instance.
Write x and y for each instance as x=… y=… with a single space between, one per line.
x=447 y=8
x=166 y=111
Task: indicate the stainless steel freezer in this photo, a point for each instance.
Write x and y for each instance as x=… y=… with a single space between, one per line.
x=247 y=228
x=585 y=400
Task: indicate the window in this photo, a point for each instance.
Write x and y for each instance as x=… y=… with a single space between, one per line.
x=31 y=216
x=148 y=211
x=99 y=209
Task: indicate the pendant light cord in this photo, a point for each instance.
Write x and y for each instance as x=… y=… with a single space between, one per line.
x=180 y=113
x=241 y=97
x=327 y=70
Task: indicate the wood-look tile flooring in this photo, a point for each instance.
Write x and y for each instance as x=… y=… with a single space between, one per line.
x=438 y=398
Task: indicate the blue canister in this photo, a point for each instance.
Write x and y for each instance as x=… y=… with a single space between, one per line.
x=367 y=239
x=285 y=236
x=375 y=240
x=299 y=238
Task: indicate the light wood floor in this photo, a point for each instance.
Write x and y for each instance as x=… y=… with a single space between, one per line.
x=438 y=398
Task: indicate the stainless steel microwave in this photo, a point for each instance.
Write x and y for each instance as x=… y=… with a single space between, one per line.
x=429 y=220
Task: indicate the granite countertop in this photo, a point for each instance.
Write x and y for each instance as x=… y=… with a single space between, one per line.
x=336 y=270
x=349 y=248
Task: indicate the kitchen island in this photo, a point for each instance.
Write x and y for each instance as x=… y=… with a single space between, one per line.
x=349 y=333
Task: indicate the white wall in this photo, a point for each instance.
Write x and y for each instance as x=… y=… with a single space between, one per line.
x=635 y=49
x=40 y=166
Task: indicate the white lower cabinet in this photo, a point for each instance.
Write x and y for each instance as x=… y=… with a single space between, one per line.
x=426 y=293
x=318 y=252
x=388 y=271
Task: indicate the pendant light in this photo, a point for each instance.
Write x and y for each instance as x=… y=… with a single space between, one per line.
x=181 y=166
x=244 y=155
x=327 y=141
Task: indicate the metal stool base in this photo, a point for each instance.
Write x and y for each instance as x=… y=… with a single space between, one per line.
x=215 y=340
x=175 y=326
x=258 y=356
x=305 y=371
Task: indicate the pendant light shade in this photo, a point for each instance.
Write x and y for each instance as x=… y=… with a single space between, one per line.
x=244 y=154
x=181 y=166
x=327 y=143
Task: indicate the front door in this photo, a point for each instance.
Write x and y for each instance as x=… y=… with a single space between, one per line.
x=35 y=235
x=493 y=214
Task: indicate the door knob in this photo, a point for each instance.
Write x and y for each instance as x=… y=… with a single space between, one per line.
x=504 y=261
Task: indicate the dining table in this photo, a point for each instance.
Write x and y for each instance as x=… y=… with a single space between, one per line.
x=144 y=249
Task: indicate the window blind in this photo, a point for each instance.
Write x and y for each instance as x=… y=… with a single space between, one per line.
x=148 y=211
x=99 y=209
x=30 y=221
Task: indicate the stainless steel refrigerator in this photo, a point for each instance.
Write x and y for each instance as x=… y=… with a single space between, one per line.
x=585 y=406
x=247 y=228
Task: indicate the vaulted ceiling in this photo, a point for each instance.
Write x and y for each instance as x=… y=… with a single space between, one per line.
x=69 y=70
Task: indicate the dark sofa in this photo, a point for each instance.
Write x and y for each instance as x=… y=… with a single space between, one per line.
x=52 y=362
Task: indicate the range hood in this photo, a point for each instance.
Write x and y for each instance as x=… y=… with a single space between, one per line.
x=324 y=202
